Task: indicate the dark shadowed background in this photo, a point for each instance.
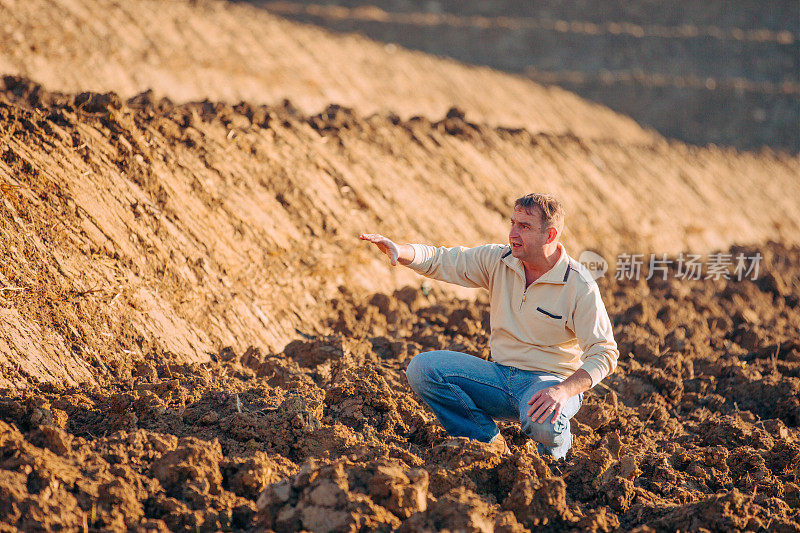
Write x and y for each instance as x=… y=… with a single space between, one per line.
x=723 y=72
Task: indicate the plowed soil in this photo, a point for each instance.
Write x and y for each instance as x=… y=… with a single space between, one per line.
x=697 y=428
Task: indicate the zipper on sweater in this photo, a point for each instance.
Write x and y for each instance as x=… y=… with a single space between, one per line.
x=524 y=293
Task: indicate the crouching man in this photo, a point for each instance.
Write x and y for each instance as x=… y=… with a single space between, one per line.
x=551 y=338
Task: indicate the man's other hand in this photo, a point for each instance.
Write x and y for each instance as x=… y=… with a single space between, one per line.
x=546 y=402
x=553 y=399
x=384 y=245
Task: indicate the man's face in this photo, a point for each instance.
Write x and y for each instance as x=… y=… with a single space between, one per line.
x=526 y=236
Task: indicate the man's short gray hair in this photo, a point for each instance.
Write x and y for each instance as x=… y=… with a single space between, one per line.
x=548 y=207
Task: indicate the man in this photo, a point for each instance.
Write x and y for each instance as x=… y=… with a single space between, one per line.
x=551 y=338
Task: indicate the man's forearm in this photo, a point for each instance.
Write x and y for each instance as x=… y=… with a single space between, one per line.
x=405 y=254
x=577 y=383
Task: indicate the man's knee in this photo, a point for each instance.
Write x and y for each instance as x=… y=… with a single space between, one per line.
x=547 y=433
x=422 y=369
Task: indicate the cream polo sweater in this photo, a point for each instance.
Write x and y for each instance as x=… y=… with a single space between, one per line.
x=558 y=324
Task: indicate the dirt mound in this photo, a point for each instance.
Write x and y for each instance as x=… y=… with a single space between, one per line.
x=326 y=434
x=145 y=228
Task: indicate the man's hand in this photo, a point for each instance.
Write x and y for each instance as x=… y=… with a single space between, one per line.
x=403 y=252
x=553 y=399
x=546 y=402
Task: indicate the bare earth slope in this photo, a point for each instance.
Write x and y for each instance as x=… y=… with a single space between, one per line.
x=154 y=228
x=195 y=50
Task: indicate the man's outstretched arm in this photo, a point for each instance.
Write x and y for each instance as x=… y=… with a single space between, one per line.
x=402 y=253
x=468 y=267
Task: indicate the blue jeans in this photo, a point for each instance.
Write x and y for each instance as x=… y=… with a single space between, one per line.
x=468 y=394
